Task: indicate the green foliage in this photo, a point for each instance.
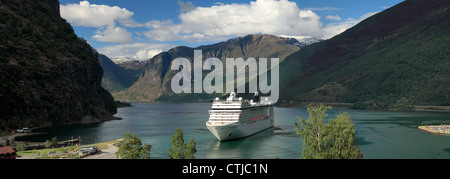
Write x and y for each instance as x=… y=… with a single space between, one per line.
x=179 y=149
x=47 y=74
x=332 y=140
x=54 y=142
x=20 y=147
x=48 y=144
x=343 y=132
x=131 y=148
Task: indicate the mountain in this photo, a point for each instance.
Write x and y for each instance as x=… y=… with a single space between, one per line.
x=119 y=60
x=155 y=80
x=116 y=78
x=393 y=60
x=48 y=76
x=130 y=63
x=304 y=40
x=136 y=65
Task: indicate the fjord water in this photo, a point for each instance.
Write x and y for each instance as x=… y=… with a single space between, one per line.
x=379 y=134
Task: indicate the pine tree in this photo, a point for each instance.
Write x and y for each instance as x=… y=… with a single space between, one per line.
x=179 y=149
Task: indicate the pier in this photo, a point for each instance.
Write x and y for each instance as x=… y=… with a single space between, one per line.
x=438 y=129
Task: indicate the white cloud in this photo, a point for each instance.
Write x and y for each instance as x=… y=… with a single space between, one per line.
x=113 y=34
x=92 y=15
x=202 y=24
x=336 y=28
x=227 y=20
x=141 y=51
x=146 y=54
x=103 y=17
x=186 y=7
x=367 y=15
x=336 y=17
x=323 y=8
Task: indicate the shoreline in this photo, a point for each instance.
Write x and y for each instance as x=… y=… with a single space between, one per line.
x=415 y=108
x=436 y=129
x=4 y=135
x=304 y=104
x=107 y=151
x=13 y=137
x=335 y=105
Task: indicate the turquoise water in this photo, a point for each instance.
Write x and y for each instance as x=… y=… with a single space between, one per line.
x=380 y=134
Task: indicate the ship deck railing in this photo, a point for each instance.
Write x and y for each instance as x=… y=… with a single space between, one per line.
x=224 y=119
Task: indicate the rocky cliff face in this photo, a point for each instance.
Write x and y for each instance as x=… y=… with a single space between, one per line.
x=155 y=80
x=48 y=75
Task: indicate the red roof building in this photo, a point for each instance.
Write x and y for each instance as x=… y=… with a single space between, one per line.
x=7 y=153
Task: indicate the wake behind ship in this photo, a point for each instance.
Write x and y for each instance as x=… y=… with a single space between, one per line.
x=236 y=118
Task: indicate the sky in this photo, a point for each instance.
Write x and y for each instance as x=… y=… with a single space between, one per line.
x=140 y=29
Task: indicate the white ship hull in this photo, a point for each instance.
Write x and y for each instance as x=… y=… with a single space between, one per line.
x=234 y=119
x=235 y=130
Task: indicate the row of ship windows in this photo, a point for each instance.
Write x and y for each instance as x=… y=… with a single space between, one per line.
x=226 y=105
x=217 y=123
x=223 y=119
x=225 y=115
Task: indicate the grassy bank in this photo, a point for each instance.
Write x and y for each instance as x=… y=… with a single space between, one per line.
x=65 y=152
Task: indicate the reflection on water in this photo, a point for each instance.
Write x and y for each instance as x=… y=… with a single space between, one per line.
x=379 y=134
x=240 y=148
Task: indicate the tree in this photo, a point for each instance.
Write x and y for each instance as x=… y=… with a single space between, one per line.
x=131 y=148
x=48 y=144
x=343 y=132
x=54 y=142
x=20 y=147
x=51 y=143
x=179 y=149
x=332 y=140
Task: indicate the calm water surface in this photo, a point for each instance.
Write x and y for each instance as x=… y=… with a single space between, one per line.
x=380 y=134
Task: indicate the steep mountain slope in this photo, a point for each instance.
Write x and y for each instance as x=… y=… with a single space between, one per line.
x=392 y=60
x=155 y=80
x=48 y=75
x=116 y=78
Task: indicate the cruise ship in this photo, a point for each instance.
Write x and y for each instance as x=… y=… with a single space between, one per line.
x=235 y=118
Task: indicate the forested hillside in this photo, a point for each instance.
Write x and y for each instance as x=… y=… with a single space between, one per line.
x=48 y=75
x=395 y=59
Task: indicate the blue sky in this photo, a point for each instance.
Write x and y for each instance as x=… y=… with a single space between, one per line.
x=143 y=28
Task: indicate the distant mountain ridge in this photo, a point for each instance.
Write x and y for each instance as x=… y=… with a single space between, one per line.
x=115 y=77
x=155 y=80
x=392 y=60
x=121 y=60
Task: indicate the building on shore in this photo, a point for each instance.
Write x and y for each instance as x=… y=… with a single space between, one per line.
x=7 y=153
